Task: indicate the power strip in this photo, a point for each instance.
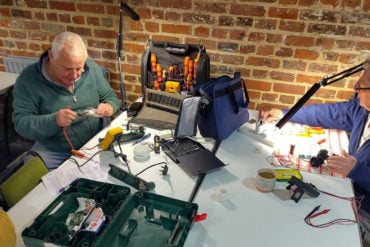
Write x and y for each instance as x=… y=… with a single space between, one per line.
x=251 y=133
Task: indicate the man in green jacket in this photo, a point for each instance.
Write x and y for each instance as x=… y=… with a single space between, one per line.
x=48 y=96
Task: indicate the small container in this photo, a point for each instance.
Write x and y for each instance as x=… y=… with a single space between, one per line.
x=223 y=195
x=266 y=179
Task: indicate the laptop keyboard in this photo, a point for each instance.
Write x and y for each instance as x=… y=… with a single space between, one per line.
x=180 y=148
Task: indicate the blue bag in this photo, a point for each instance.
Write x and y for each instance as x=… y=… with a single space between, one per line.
x=223 y=107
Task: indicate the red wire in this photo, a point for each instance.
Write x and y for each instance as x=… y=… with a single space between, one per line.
x=68 y=140
x=73 y=150
x=355 y=204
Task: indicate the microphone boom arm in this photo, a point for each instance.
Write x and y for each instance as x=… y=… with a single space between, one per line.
x=324 y=82
x=124 y=9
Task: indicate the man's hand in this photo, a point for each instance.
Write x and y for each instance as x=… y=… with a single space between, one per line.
x=272 y=115
x=65 y=117
x=104 y=110
x=342 y=164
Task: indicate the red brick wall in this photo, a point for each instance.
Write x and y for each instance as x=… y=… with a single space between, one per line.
x=281 y=47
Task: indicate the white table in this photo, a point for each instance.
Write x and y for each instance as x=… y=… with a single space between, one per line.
x=252 y=218
x=176 y=184
x=6 y=80
x=248 y=217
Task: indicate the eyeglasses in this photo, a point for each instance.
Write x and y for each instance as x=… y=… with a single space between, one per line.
x=357 y=87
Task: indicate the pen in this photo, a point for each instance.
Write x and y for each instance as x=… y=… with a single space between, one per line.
x=141 y=139
x=61 y=190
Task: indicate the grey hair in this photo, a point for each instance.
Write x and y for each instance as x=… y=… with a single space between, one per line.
x=70 y=42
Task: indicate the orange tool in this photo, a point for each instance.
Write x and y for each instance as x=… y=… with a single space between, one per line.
x=156 y=85
x=153 y=61
x=186 y=65
x=159 y=72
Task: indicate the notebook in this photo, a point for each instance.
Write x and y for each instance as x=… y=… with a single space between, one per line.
x=189 y=154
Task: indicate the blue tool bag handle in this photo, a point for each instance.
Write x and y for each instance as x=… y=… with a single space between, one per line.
x=209 y=95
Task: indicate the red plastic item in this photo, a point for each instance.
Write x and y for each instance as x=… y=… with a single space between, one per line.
x=200 y=217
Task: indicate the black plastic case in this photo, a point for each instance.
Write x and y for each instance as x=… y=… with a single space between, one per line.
x=139 y=219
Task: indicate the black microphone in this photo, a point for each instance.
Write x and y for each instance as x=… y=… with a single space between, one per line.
x=130 y=12
x=298 y=105
x=324 y=82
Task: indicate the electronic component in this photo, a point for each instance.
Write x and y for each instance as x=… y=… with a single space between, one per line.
x=164 y=134
x=135 y=127
x=109 y=137
x=130 y=179
x=157 y=144
x=300 y=188
x=131 y=136
x=320 y=158
x=88 y=112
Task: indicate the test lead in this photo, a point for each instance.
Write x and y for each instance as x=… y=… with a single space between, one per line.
x=77 y=153
x=312 y=212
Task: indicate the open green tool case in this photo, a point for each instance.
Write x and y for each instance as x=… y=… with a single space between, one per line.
x=91 y=213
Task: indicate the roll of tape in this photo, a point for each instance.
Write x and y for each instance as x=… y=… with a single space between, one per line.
x=141 y=152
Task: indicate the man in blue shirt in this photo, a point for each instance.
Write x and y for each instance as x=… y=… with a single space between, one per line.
x=352 y=116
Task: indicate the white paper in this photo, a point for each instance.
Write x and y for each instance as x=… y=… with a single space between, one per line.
x=58 y=180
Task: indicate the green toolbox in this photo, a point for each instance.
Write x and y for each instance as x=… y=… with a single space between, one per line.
x=92 y=213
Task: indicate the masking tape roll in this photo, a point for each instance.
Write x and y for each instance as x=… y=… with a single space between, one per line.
x=141 y=153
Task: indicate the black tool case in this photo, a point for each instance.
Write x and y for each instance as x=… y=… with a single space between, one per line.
x=169 y=72
x=173 y=55
x=139 y=219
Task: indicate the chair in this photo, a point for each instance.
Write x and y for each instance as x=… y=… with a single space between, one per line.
x=4 y=134
x=13 y=64
x=12 y=143
x=20 y=177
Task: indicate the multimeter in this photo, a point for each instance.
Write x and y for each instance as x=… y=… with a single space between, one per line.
x=157 y=144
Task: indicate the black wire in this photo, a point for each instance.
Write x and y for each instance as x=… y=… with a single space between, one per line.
x=329 y=223
x=79 y=166
x=160 y=163
x=89 y=159
x=341 y=221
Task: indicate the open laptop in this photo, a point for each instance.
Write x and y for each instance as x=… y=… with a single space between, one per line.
x=189 y=154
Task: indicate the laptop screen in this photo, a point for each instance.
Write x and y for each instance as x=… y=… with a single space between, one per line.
x=186 y=125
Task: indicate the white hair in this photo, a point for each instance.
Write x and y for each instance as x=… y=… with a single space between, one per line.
x=69 y=42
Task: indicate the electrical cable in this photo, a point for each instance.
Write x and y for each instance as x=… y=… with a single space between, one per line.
x=355 y=204
x=87 y=160
x=164 y=172
x=67 y=138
